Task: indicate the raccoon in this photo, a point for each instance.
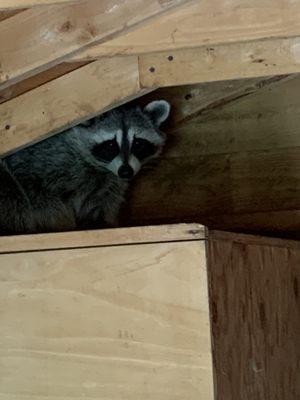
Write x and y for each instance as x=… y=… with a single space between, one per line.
x=77 y=179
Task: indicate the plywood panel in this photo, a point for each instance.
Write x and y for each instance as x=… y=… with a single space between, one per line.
x=221 y=62
x=190 y=102
x=205 y=22
x=254 y=291
x=218 y=184
x=51 y=33
x=126 y=322
x=236 y=156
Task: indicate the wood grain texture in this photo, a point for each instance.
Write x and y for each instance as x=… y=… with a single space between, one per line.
x=103 y=237
x=254 y=292
x=247 y=239
x=66 y=101
x=189 y=102
x=218 y=184
x=51 y=33
x=239 y=156
x=8 y=13
x=280 y=223
x=37 y=80
x=128 y=322
x=205 y=22
x=220 y=62
x=15 y=4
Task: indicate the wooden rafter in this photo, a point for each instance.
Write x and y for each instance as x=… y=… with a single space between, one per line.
x=67 y=100
x=220 y=62
x=204 y=23
x=47 y=35
x=216 y=54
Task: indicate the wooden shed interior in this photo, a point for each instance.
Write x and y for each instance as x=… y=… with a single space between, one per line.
x=131 y=313
x=229 y=68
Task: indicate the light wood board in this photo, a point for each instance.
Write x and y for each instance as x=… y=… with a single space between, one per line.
x=205 y=23
x=102 y=237
x=67 y=100
x=128 y=322
x=49 y=34
x=220 y=62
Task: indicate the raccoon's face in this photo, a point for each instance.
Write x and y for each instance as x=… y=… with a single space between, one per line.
x=124 y=139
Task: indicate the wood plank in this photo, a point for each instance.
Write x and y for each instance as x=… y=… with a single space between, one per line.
x=264 y=119
x=37 y=80
x=103 y=237
x=221 y=62
x=235 y=157
x=285 y=224
x=15 y=4
x=66 y=101
x=205 y=22
x=213 y=184
x=49 y=34
x=240 y=238
x=254 y=292
x=106 y=323
x=189 y=103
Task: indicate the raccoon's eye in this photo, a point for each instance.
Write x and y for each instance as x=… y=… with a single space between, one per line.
x=142 y=148
x=106 y=151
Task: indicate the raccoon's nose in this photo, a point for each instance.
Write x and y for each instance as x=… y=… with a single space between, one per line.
x=125 y=172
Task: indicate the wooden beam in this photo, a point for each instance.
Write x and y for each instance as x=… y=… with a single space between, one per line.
x=47 y=35
x=102 y=237
x=221 y=62
x=15 y=4
x=66 y=101
x=39 y=79
x=205 y=23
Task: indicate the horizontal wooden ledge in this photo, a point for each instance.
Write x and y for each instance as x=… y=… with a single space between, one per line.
x=105 y=237
x=222 y=62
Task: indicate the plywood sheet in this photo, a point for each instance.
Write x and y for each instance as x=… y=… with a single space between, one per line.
x=254 y=289
x=126 y=322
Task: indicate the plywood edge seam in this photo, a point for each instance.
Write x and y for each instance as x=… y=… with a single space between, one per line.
x=248 y=239
x=100 y=238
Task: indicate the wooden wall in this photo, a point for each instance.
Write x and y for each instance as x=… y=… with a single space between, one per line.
x=232 y=159
x=254 y=294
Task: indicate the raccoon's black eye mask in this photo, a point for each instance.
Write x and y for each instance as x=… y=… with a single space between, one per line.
x=142 y=148
x=106 y=151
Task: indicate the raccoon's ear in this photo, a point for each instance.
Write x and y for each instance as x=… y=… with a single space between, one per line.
x=158 y=111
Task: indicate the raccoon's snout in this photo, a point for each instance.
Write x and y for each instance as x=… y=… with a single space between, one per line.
x=125 y=172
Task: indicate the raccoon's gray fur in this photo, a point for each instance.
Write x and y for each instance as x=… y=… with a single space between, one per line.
x=77 y=179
